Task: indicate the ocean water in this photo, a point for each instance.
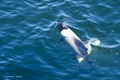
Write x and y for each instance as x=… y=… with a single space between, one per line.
x=29 y=36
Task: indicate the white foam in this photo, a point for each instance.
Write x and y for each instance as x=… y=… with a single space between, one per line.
x=94 y=41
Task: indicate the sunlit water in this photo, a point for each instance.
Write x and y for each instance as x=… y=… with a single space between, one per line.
x=29 y=36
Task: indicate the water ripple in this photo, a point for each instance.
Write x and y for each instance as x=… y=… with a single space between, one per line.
x=29 y=36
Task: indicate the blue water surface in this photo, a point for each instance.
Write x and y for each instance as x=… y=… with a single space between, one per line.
x=29 y=36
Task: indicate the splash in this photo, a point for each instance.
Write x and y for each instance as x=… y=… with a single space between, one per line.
x=92 y=41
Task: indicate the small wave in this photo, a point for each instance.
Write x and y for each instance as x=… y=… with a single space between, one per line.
x=109 y=46
x=94 y=41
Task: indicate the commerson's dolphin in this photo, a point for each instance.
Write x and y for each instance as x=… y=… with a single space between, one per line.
x=75 y=42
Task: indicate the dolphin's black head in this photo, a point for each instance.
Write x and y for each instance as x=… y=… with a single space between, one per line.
x=62 y=26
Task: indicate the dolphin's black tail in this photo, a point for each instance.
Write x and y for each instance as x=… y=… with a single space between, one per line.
x=92 y=66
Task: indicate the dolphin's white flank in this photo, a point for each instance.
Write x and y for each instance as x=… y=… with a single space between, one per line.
x=70 y=38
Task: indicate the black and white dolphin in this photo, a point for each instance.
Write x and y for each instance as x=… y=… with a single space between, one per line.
x=75 y=42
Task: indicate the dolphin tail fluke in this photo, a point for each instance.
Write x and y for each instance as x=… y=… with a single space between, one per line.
x=93 y=66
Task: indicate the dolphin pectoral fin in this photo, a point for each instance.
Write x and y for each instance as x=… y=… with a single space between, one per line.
x=78 y=61
x=80 y=70
x=61 y=40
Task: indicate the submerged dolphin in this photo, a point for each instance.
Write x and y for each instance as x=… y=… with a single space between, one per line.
x=74 y=41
